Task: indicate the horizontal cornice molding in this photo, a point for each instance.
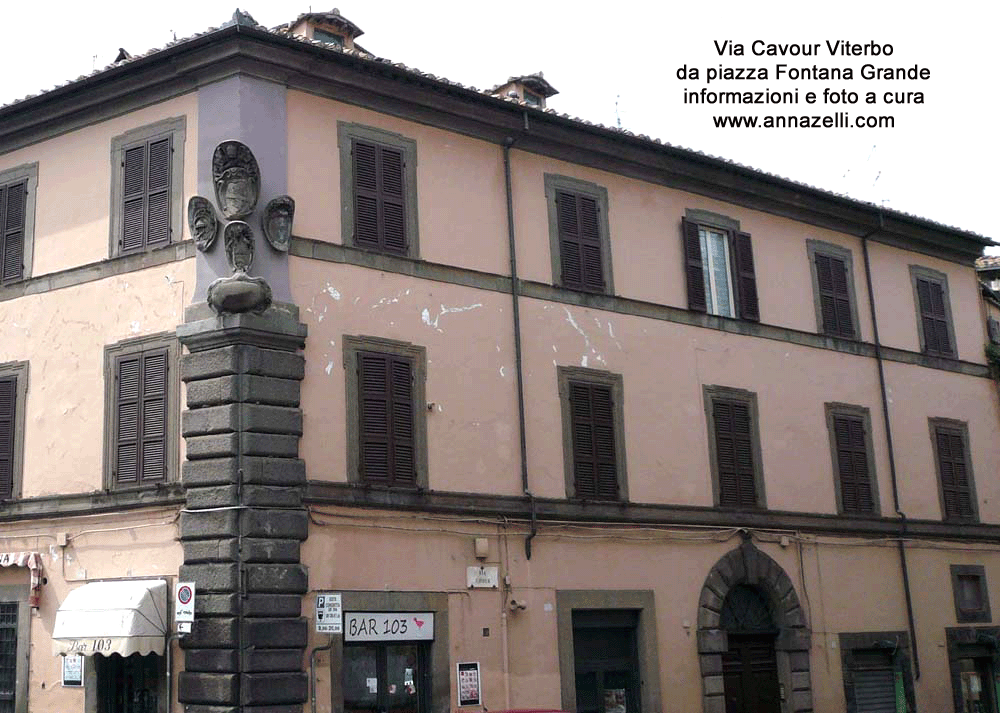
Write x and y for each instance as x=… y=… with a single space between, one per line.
x=93 y=503
x=552 y=511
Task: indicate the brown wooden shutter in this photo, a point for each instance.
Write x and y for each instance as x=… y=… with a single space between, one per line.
x=133 y=199
x=834 y=296
x=579 y=230
x=933 y=317
x=745 y=277
x=8 y=396
x=956 y=487
x=595 y=466
x=12 y=208
x=694 y=270
x=852 y=465
x=387 y=448
x=140 y=426
x=379 y=197
x=158 y=193
x=734 y=453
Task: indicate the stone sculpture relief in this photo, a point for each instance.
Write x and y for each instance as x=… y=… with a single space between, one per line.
x=277 y=222
x=203 y=222
x=237 y=179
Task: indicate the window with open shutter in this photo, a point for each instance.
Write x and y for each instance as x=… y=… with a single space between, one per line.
x=386 y=414
x=593 y=434
x=956 y=478
x=13 y=201
x=735 y=453
x=853 y=470
x=719 y=271
x=834 y=295
x=141 y=412
x=934 y=325
x=146 y=195
x=580 y=241
x=8 y=404
x=379 y=197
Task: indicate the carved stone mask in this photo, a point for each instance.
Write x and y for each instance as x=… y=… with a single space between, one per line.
x=237 y=179
x=203 y=222
x=239 y=246
x=277 y=222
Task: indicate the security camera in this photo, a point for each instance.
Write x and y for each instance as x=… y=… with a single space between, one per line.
x=517 y=604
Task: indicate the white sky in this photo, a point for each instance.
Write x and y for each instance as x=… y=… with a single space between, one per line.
x=617 y=61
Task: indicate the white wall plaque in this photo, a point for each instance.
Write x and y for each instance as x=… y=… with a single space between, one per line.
x=482 y=577
x=388 y=626
x=72 y=670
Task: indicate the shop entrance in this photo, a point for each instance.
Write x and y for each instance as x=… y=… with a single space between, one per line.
x=979 y=685
x=127 y=684
x=390 y=677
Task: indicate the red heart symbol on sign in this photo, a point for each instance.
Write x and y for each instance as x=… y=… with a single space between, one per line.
x=418 y=622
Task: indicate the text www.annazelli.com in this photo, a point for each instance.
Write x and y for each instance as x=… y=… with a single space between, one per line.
x=838 y=120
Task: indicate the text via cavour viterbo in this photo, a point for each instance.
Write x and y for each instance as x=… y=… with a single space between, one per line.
x=830 y=84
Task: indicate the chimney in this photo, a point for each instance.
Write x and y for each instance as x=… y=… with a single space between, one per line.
x=532 y=89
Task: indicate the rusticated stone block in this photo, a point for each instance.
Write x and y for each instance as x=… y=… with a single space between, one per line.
x=713 y=685
x=271 y=688
x=276 y=633
x=269 y=550
x=245 y=388
x=195 y=708
x=271 y=496
x=274 y=471
x=214 y=446
x=198 y=551
x=214 y=577
x=211 y=633
x=211 y=688
x=211 y=660
x=272 y=660
x=215 y=604
x=270 y=444
x=278 y=578
x=205 y=525
x=290 y=524
x=241 y=417
x=242 y=359
x=217 y=471
x=286 y=605
x=715 y=704
x=712 y=641
x=212 y=496
x=711 y=664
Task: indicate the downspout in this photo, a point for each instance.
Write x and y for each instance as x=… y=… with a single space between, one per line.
x=892 y=452
x=518 y=366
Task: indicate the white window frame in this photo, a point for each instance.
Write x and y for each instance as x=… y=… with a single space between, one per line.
x=708 y=270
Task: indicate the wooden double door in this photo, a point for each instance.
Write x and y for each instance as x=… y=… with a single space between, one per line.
x=750 y=673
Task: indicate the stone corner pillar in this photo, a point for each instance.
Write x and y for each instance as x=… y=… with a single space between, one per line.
x=244 y=521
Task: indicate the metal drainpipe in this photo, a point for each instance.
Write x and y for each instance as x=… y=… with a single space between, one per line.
x=892 y=454
x=312 y=673
x=515 y=294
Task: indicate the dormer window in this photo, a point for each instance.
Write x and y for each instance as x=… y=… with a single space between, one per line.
x=532 y=99
x=532 y=89
x=329 y=38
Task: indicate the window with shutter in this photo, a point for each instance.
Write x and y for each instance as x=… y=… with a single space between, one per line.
x=8 y=405
x=833 y=289
x=854 y=474
x=958 y=498
x=147 y=175
x=17 y=210
x=593 y=433
x=387 y=441
x=934 y=323
x=378 y=189
x=142 y=406
x=734 y=445
x=972 y=599
x=578 y=234
x=718 y=266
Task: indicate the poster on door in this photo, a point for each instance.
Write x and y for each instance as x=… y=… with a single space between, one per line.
x=614 y=700
x=469 y=691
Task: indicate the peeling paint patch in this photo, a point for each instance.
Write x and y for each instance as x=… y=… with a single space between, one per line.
x=390 y=300
x=554 y=349
x=425 y=315
x=134 y=327
x=501 y=371
x=583 y=360
x=332 y=291
x=329 y=367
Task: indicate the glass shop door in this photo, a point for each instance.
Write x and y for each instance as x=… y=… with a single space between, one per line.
x=389 y=677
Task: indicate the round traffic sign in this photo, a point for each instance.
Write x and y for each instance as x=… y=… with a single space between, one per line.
x=184 y=594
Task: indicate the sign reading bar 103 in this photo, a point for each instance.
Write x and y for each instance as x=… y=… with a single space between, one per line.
x=388 y=626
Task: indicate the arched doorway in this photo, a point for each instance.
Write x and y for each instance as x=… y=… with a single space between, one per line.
x=749 y=666
x=752 y=635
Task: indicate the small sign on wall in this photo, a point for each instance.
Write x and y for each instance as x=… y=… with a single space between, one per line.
x=470 y=691
x=72 y=670
x=329 y=613
x=482 y=577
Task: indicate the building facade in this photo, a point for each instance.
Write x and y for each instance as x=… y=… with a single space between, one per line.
x=568 y=418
